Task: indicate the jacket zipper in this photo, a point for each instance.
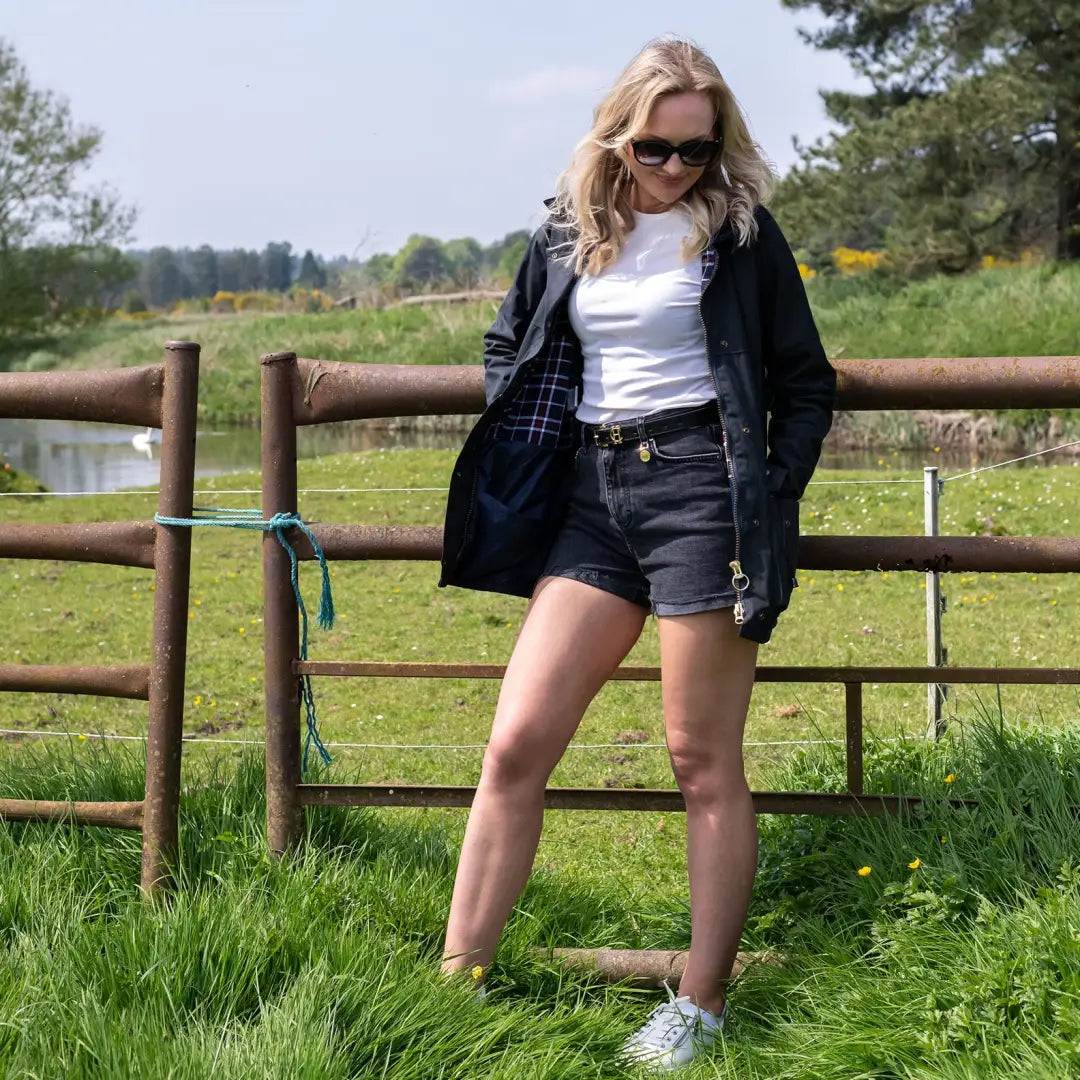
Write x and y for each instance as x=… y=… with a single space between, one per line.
x=739 y=581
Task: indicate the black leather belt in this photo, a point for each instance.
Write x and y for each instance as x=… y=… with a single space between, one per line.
x=638 y=430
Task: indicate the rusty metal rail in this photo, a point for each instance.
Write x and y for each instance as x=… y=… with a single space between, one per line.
x=297 y=392
x=161 y=396
x=955 y=554
x=119 y=681
x=324 y=391
x=117 y=543
x=113 y=815
x=117 y=396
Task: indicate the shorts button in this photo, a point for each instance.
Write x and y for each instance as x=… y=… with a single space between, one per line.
x=723 y=344
x=756 y=522
x=746 y=431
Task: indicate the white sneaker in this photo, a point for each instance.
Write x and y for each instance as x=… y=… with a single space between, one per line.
x=674 y=1033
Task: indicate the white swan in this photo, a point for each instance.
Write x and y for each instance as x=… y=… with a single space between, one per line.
x=141 y=441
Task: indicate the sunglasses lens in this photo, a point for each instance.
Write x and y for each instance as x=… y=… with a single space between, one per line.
x=649 y=152
x=697 y=154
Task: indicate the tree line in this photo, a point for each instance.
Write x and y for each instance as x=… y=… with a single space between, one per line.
x=163 y=275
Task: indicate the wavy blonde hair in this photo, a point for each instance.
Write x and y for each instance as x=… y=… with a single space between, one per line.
x=592 y=194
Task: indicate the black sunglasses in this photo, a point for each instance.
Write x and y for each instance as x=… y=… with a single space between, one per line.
x=693 y=154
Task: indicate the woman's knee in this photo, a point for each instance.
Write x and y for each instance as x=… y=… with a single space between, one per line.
x=515 y=757
x=707 y=775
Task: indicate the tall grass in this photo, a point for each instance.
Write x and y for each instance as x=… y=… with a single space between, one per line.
x=325 y=964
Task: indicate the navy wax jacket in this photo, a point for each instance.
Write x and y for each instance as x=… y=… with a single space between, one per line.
x=773 y=382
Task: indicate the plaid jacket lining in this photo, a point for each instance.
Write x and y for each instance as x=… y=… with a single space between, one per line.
x=539 y=409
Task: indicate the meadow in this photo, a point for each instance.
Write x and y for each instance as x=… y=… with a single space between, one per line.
x=953 y=955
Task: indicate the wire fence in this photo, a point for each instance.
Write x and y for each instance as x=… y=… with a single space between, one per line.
x=83 y=736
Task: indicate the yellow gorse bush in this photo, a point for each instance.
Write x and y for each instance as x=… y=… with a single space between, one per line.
x=849 y=261
x=998 y=262
x=806 y=272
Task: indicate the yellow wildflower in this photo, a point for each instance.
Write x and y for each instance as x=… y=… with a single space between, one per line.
x=864 y=871
x=950 y=778
x=915 y=864
x=477 y=972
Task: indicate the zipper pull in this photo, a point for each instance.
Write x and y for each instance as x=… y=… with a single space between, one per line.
x=739 y=581
x=643 y=452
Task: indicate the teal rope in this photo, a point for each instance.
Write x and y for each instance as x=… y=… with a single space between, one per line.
x=227 y=518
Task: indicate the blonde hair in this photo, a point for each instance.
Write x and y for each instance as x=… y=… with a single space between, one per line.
x=593 y=193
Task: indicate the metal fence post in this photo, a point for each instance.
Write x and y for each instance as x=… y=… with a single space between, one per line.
x=172 y=563
x=936 y=654
x=284 y=814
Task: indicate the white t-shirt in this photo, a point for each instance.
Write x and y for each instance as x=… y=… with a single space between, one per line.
x=640 y=327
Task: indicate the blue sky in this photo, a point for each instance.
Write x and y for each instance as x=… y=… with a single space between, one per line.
x=345 y=127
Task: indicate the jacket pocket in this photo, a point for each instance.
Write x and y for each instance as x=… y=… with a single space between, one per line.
x=518 y=505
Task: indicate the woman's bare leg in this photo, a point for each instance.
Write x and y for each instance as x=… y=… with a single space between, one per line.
x=708 y=673
x=572 y=639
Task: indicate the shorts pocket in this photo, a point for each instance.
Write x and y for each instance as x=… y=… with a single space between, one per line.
x=690 y=444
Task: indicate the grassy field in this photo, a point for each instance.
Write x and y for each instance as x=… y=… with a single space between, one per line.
x=1022 y=311
x=324 y=966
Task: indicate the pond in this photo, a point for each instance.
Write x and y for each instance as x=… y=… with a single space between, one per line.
x=83 y=457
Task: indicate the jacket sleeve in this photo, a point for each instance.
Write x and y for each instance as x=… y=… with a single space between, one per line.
x=800 y=380
x=503 y=340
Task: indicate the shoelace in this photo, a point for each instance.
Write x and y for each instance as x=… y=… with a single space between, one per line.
x=666 y=1024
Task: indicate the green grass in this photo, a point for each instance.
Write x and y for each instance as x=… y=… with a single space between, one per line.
x=1023 y=311
x=325 y=965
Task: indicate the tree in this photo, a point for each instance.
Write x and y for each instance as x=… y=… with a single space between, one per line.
x=201 y=270
x=513 y=249
x=466 y=259
x=420 y=264
x=161 y=280
x=311 y=275
x=276 y=265
x=967 y=142
x=58 y=259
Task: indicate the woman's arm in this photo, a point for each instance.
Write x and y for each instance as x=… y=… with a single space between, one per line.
x=503 y=341
x=799 y=377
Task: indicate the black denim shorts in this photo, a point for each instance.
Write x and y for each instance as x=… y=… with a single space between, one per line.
x=659 y=533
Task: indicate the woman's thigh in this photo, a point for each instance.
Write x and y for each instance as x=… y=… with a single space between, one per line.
x=573 y=637
x=707 y=675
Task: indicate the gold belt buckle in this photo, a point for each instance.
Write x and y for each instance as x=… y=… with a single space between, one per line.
x=616 y=434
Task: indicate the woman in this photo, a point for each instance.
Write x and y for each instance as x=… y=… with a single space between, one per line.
x=625 y=464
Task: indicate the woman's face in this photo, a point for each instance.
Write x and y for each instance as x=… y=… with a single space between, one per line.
x=677 y=118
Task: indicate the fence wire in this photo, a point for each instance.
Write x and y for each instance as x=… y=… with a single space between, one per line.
x=87 y=735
